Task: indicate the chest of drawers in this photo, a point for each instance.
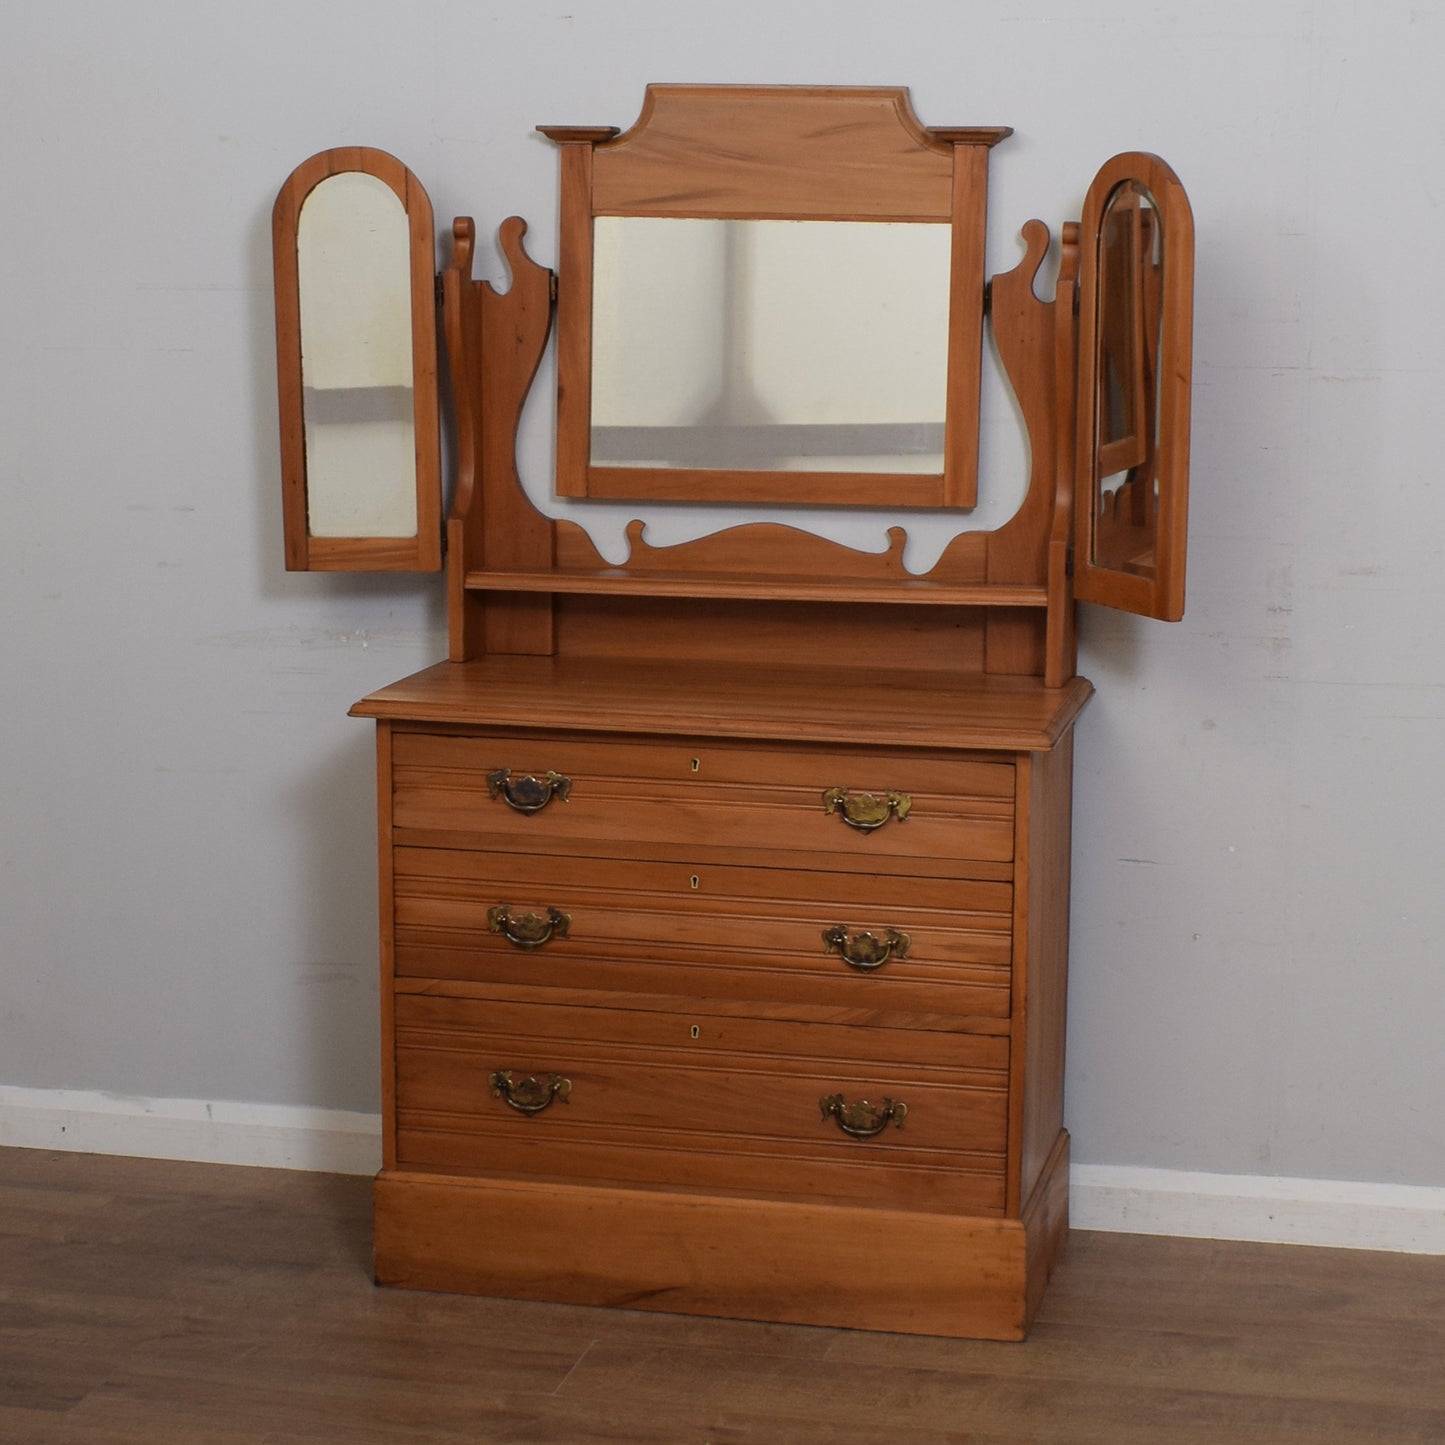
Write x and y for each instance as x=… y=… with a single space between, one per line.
x=703 y=1009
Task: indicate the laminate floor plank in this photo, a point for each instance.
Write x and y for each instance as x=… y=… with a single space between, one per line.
x=144 y=1302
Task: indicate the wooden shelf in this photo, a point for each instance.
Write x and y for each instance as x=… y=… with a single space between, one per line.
x=897 y=592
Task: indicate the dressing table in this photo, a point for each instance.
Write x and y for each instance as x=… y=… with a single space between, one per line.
x=725 y=887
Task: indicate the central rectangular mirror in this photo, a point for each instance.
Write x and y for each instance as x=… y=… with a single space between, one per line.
x=771 y=294
x=769 y=345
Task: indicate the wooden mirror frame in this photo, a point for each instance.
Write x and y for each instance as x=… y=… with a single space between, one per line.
x=305 y=551
x=1161 y=378
x=774 y=153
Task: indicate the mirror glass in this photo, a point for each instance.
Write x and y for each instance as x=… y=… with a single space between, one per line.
x=769 y=345
x=353 y=262
x=1130 y=317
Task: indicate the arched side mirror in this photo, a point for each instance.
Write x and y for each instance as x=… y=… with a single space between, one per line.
x=1136 y=290
x=356 y=353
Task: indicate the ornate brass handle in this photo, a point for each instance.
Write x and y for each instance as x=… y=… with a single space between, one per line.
x=530 y=1095
x=866 y=951
x=865 y=812
x=527 y=930
x=861 y=1120
x=527 y=794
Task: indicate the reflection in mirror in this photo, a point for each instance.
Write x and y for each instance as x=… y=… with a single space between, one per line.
x=722 y=344
x=1129 y=319
x=353 y=263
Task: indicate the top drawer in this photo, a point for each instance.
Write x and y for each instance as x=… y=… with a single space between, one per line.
x=700 y=798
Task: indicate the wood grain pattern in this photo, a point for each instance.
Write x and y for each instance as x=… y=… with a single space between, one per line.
x=701 y=1100
x=1041 y=955
x=699 y=1028
x=151 y=1300
x=850 y=644
x=799 y=1263
x=764 y=587
x=495 y=342
x=773 y=562
x=820 y=152
x=924 y=710
x=386 y=908
x=965 y=324
x=1017 y=551
x=690 y=930
x=574 y=318
x=768 y=488
x=1061 y=632
x=440 y=786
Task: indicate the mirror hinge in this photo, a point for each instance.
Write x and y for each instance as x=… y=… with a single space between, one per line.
x=988 y=297
x=437 y=287
x=552 y=284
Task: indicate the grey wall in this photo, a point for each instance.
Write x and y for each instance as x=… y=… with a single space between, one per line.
x=186 y=856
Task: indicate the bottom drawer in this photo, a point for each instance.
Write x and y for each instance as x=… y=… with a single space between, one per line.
x=637 y=1096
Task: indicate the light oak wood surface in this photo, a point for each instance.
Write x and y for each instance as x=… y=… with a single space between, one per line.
x=155 y=1303
x=710 y=1127
x=779 y=759
x=922 y=710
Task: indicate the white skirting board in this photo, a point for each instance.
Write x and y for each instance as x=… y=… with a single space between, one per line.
x=275 y=1136
x=1404 y=1218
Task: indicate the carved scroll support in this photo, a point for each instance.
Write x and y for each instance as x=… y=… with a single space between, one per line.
x=1018 y=552
x=494 y=346
x=1061 y=647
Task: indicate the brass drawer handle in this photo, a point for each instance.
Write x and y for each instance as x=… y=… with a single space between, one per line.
x=865 y=812
x=528 y=930
x=530 y=1095
x=860 y=1120
x=866 y=951
x=527 y=794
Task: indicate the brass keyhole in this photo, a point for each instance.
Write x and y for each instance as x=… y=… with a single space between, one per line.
x=692 y=882
x=696 y=764
x=694 y=1031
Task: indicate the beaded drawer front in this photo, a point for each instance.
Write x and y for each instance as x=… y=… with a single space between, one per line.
x=851 y=809
x=688 y=1098
x=776 y=970
x=775 y=935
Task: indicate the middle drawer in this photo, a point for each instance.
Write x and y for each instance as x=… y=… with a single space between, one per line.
x=765 y=934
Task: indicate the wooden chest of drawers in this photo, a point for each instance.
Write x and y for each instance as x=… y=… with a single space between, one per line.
x=704 y=1009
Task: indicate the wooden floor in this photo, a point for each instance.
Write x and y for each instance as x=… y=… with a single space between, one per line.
x=143 y=1301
